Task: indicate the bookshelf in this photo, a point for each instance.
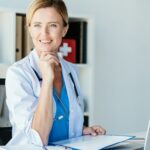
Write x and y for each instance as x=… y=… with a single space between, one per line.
x=20 y=45
x=78 y=31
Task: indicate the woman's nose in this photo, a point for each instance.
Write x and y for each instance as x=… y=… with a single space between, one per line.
x=45 y=31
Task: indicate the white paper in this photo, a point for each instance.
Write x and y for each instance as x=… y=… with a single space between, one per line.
x=89 y=142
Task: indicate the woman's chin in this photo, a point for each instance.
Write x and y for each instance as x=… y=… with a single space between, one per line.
x=44 y=49
x=48 y=51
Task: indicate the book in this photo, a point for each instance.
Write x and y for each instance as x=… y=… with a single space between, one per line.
x=19 y=26
x=89 y=142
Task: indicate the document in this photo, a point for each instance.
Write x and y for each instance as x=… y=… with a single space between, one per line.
x=89 y=142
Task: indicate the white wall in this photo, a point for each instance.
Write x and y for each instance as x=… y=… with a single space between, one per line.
x=122 y=60
x=14 y=4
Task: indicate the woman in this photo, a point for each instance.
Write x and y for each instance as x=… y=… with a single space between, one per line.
x=43 y=92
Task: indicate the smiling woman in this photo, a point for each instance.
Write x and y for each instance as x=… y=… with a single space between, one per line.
x=47 y=29
x=46 y=103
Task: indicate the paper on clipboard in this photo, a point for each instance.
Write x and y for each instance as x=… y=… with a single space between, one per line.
x=89 y=142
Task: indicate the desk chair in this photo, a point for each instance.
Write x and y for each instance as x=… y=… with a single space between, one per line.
x=5 y=126
x=5 y=135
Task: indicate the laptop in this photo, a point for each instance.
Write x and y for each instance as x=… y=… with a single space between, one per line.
x=147 y=138
x=135 y=144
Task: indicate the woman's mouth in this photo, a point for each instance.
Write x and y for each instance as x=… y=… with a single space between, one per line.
x=45 y=41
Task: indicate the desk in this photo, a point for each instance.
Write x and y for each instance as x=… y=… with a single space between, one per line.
x=31 y=147
x=130 y=145
x=134 y=144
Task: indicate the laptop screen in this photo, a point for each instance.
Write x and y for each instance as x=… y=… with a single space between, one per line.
x=147 y=138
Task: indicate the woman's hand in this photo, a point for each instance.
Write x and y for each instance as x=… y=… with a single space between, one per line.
x=94 y=130
x=48 y=61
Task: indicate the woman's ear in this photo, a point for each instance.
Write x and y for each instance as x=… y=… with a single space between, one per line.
x=65 y=31
x=29 y=29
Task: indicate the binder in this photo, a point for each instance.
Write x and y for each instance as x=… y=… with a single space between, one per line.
x=19 y=25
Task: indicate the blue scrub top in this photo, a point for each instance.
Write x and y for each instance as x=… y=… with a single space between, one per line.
x=60 y=128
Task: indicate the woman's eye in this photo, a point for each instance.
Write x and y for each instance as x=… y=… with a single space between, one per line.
x=53 y=25
x=36 y=25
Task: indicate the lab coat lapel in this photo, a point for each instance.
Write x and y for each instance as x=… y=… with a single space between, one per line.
x=34 y=62
x=75 y=110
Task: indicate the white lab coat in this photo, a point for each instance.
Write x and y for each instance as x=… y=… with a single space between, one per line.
x=22 y=91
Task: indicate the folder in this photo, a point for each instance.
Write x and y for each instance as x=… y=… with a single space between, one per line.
x=89 y=142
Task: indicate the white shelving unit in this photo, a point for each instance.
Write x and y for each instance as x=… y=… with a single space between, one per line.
x=8 y=54
x=7 y=40
x=7 y=37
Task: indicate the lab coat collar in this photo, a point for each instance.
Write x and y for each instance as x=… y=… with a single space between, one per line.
x=63 y=65
x=34 y=61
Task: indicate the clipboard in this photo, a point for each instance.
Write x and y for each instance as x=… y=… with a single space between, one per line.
x=89 y=142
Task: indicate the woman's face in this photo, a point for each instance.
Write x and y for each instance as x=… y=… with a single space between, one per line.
x=47 y=30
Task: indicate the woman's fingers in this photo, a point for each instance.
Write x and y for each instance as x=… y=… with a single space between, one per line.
x=99 y=130
x=50 y=58
x=89 y=130
x=94 y=130
x=48 y=63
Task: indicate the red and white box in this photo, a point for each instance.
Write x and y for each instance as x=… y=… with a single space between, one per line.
x=68 y=50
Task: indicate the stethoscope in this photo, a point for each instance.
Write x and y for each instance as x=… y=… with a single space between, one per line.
x=75 y=90
x=71 y=77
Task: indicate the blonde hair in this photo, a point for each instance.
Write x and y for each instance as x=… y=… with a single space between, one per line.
x=59 y=5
